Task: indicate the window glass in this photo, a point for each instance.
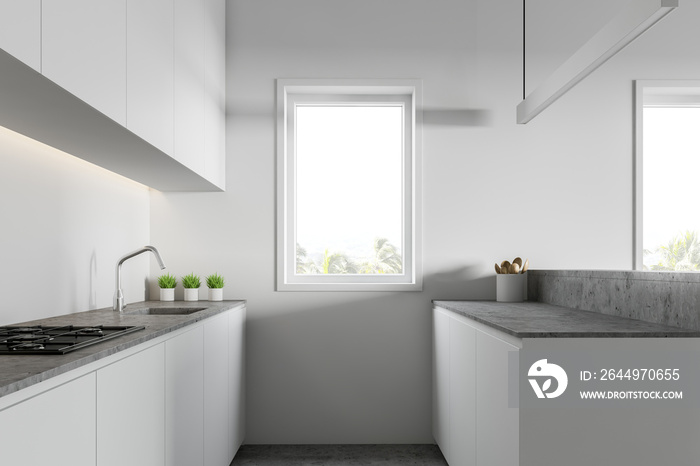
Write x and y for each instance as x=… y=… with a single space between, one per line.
x=349 y=168
x=671 y=219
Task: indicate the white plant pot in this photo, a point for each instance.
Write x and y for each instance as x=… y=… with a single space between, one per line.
x=216 y=294
x=167 y=294
x=511 y=288
x=191 y=294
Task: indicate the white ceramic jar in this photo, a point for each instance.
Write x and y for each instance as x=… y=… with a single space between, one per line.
x=167 y=294
x=191 y=294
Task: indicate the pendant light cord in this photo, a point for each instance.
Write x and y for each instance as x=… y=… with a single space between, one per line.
x=524 y=49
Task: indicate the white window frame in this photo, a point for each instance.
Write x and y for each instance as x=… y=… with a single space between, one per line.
x=404 y=92
x=661 y=93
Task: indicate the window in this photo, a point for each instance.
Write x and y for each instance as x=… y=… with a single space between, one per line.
x=668 y=164
x=348 y=185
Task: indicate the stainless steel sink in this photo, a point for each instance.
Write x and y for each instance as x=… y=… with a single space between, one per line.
x=164 y=311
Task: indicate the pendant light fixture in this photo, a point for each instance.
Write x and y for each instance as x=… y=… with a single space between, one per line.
x=631 y=22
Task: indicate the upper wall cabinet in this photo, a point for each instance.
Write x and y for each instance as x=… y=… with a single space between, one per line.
x=134 y=86
x=214 y=90
x=149 y=71
x=189 y=83
x=84 y=51
x=20 y=30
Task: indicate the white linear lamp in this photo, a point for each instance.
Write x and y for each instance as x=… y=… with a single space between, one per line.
x=634 y=19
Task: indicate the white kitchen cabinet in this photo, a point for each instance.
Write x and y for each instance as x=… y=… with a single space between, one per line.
x=237 y=344
x=215 y=91
x=497 y=435
x=54 y=427
x=131 y=410
x=441 y=381
x=462 y=388
x=189 y=78
x=472 y=423
x=149 y=71
x=20 y=30
x=84 y=51
x=502 y=431
x=217 y=437
x=184 y=398
x=141 y=406
x=145 y=84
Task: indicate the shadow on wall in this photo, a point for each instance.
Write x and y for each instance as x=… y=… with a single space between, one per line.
x=347 y=367
x=467 y=282
x=339 y=368
x=456 y=117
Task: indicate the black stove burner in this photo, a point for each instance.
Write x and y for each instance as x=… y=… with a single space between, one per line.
x=23 y=329
x=27 y=346
x=25 y=336
x=57 y=340
x=90 y=331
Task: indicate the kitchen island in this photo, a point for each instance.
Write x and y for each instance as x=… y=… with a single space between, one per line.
x=171 y=393
x=492 y=407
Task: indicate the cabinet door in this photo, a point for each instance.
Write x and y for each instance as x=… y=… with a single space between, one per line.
x=56 y=427
x=84 y=51
x=184 y=399
x=130 y=410
x=441 y=380
x=20 y=30
x=149 y=77
x=463 y=403
x=189 y=83
x=215 y=91
x=237 y=342
x=217 y=438
x=497 y=434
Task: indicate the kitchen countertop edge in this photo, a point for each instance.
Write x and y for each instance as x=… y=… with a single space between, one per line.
x=540 y=320
x=22 y=371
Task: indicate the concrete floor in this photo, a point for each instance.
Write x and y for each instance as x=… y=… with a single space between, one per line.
x=338 y=455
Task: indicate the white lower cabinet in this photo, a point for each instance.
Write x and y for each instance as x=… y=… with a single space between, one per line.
x=184 y=399
x=216 y=392
x=497 y=431
x=476 y=422
x=130 y=410
x=54 y=427
x=472 y=422
x=237 y=342
x=175 y=400
x=463 y=396
x=441 y=387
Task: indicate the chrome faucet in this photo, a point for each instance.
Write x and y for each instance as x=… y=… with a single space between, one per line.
x=118 y=296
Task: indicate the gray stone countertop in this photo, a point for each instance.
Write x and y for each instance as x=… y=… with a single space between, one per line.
x=21 y=371
x=540 y=320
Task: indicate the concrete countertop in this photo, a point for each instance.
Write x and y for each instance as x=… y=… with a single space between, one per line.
x=540 y=320
x=21 y=371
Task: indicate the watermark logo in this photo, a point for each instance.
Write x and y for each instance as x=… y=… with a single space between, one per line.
x=540 y=376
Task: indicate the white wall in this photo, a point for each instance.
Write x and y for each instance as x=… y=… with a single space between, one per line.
x=355 y=367
x=64 y=224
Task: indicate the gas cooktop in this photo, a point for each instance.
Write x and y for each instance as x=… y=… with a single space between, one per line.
x=41 y=339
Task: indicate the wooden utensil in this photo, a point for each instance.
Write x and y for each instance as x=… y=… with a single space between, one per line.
x=514 y=268
x=505 y=267
x=498 y=269
x=525 y=266
x=518 y=261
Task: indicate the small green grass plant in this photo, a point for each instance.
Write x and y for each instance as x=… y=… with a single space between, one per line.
x=215 y=281
x=167 y=281
x=191 y=281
